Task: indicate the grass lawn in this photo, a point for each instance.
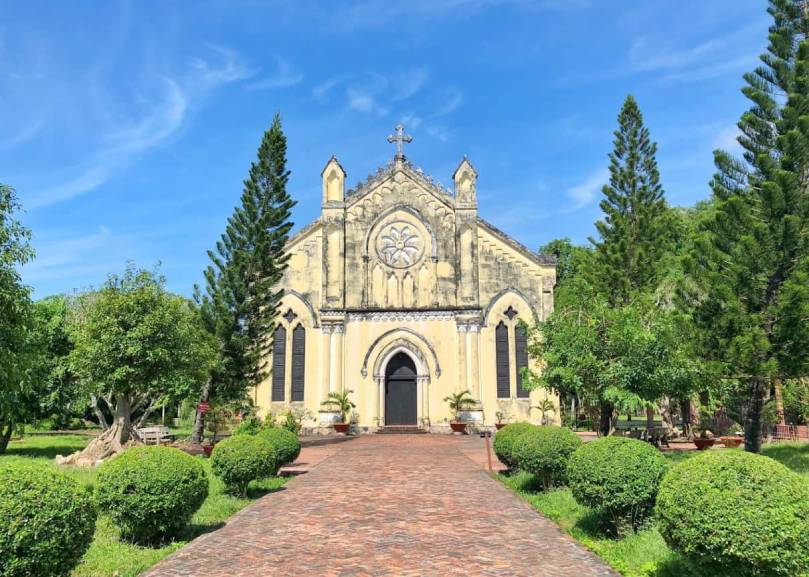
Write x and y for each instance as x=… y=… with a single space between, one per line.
x=643 y=554
x=109 y=556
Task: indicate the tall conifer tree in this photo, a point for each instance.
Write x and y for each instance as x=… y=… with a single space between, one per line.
x=241 y=285
x=633 y=231
x=753 y=257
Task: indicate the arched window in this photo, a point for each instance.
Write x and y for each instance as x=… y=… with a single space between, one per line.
x=521 y=355
x=279 y=354
x=502 y=361
x=298 y=362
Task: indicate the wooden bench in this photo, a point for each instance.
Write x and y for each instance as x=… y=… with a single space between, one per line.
x=154 y=435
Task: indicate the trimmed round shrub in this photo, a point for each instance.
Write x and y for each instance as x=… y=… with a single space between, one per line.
x=736 y=512
x=241 y=459
x=505 y=441
x=619 y=477
x=285 y=443
x=47 y=521
x=544 y=452
x=151 y=492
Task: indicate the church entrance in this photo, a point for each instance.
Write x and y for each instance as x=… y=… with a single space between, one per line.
x=400 y=391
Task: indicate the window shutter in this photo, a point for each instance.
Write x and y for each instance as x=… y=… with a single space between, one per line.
x=502 y=361
x=521 y=352
x=279 y=355
x=298 y=362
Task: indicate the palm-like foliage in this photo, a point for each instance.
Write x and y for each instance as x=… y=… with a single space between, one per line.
x=341 y=402
x=460 y=401
x=545 y=406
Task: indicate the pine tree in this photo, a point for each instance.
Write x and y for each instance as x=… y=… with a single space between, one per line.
x=753 y=258
x=241 y=285
x=633 y=232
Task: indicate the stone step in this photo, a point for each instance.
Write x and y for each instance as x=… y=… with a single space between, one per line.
x=401 y=430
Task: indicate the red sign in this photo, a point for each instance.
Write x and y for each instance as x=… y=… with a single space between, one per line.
x=203 y=408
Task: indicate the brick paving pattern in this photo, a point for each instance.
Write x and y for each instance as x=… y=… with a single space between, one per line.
x=382 y=506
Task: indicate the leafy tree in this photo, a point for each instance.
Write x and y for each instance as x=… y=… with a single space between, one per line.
x=17 y=395
x=571 y=260
x=136 y=346
x=752 y=258
x=61 y=397
x=635 y=230
x=621 y=358
x=241 y=295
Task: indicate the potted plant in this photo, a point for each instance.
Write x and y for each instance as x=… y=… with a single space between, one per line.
x=545 y=406
x=705 y=440
x=459 y=402
x=501 y=420
x=342 y=404
x=731 y=442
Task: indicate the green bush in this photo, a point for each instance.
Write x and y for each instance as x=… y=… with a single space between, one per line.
x=618 y=477
x=249 y=426
x=285 y=444
x=47 y=521
x=241 y=459
x=544 y=452
x=151 y=492
x=738 y=513
x=506 y=440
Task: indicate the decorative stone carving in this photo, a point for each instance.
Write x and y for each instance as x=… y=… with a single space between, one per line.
x=401 y=316
x=399 y=245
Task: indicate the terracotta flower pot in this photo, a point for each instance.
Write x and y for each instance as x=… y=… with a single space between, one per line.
x=499 y=426
x=732 y=442
x=703 y=444
x=458 y=427
x=342 y=428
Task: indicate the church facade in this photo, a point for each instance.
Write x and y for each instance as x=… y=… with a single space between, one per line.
x=401 y=294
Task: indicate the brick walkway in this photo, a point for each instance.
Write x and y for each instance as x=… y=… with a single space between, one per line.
x=388 y=506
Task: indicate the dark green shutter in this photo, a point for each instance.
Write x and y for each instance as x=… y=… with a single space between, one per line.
x=279 y=355
x=521 y=352
x=298 y=362
x=501 y=361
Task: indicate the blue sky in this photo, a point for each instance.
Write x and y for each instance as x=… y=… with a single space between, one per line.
x=127 y=127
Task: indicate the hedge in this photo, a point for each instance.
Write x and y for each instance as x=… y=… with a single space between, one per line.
x=544 y=452
x=507 y=439
x=241 y=459
x=737 y=512
x=286 y=444
x=618 y=477
x=47 y=521
x=151 y=492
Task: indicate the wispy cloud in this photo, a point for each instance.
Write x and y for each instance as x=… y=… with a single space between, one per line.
x=375 y=93
x=704 y=60
x=59 y=256
x=26 y=132
x=585 y=193
x=452 y=100
x=373 y=13
x=284 y=75
x=162 y=119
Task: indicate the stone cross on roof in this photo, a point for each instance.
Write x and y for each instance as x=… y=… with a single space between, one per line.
x=399 y=137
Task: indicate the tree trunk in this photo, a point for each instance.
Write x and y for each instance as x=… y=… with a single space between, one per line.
x=664 y=406
x=650 y=421
x=114 y=440
x=102 y=418
x=199 y=421
x=605 y=423
x=779 y=401
x=753 y=424
x=5 y=436
x=685 y=409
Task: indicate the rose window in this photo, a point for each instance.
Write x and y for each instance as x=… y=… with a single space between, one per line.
x=399 y=245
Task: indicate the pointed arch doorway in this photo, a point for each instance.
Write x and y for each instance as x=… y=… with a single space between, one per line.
x=401 y=393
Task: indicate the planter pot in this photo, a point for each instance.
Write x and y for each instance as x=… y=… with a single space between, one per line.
x=499 y=426
x=342 y=428
x=207 y=449
x=703 y=444
x=458 y=427
x=732 y=442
